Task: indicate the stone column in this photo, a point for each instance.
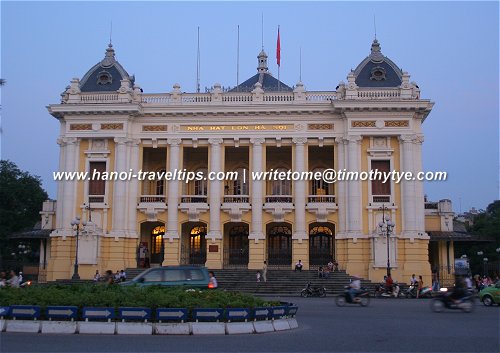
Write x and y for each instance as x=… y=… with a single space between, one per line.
x=214 y=235
x=354 y=215
x=340 y=186
x=119 y=190
x=408 y=186
x=257 y=250
x=133 y=188
x=300 y=248
x=419 y=186
x=173 y=190
x=60 y=184
x=68 y=199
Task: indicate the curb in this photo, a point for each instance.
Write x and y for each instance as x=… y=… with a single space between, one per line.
x=147 y=328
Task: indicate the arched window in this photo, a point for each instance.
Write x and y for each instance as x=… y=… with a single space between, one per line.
x=157 y=239
x=320 y=187
x=196 y=237
x=321 y=238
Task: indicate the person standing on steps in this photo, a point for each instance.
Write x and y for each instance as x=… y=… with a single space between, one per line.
x=264 y=272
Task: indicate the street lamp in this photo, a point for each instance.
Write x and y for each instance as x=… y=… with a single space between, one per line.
x=485 y=266
x=75 y=224
x=386 y=228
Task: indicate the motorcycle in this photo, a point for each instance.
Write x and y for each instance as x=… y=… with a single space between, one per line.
x=362 y=297
x=411 y=291
x=443 y=300
x=382 y=291
x=310 y=291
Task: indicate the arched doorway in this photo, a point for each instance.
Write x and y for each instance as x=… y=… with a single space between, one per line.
x=279 y=245
x=157 y=245
x=236 y=245
x=194 y=244
x=321 y=243
x=151 y=248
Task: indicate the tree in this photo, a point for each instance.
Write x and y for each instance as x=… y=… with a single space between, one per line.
x=21 y=199
x=2 y=81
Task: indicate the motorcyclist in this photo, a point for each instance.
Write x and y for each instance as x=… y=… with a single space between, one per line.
x=354 y=287
x=389 y=283
x=459 y=290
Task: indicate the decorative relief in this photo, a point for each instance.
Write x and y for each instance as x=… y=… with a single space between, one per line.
x=320 y=126
x=112 y=126
x=154 y=128
x=397 y=123
x=380 y=142
x=98 y=145
x=369 y=123
x=80 y=127
x=299 y=127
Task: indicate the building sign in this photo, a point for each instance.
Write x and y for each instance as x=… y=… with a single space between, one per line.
x=253 y=127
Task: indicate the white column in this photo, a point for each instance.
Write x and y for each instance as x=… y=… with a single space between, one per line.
x=340 y=186
x=256 y=231
x=354 y=214
x=408 y=186
x=133 y=188
x=419 y=186
x=300 y=189
x=215 y=190
x=60 y=184
x=173 y=190
x=69 y=190
x=119 y=189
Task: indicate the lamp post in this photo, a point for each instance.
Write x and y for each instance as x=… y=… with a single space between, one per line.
x=485 y=266
x=386 y=228
x=75 y=224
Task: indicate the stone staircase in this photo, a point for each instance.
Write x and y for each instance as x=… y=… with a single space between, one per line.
x=279 y=282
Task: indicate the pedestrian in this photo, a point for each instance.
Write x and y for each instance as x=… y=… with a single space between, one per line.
x=264 y=271
x=3 y=279
x=258 y=276
x=298 y=266
x=13 y=281
x=109 y=277
x=123 y=276
x=420 y=285
x=20 y=277
x=97 y=276
x=212 y=283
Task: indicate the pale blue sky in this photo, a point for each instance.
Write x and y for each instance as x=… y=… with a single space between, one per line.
x=451 y=49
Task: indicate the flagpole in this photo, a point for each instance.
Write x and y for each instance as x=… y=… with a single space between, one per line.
x=278 y=57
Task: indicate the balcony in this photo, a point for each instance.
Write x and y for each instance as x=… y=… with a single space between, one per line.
x=194 y=206
x=278 y=206
x=236 y=206
x=381 y=199
x=152 y=206
x=321 y=206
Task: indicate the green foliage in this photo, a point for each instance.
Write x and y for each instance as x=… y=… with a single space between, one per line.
x=127 y=296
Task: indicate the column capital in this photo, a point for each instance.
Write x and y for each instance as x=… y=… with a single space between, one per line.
x=257 y=141
x=299 y=140
x=120 y=140
x=353 y=138
x=410 y=138
x=174 y=142
x=63 y=141
x=215 y=141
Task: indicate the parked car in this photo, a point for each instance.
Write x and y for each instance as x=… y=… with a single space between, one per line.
x=491 y=294
x=188 y=276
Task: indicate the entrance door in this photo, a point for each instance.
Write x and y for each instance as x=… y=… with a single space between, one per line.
x=279 y=245
x=236 y=255
x=198 y=245
x=321 y=244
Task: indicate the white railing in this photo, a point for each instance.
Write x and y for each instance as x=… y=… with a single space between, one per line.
x=279 y=198
x=236 y=199
x=152 y=198
x=278 y=97
x=313 y=96
x=379 y=94
x=381 y=199
x=193 y=198
x=156 y=98
x=321 y=198
x=98 y=97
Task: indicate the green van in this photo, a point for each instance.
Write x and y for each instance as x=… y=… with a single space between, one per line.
x=189 y=276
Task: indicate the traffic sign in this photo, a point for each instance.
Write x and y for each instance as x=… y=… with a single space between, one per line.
x=4 y=311
x=25 y=311
x=261 y=313
x=98 y=313
x=62 y=312
x=238 y=313
x=134 y=313
x=278 y=312
x=291 y=310
x=214 y=314
x=171 y=314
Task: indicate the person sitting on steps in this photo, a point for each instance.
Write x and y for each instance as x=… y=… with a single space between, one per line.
x=298 y=266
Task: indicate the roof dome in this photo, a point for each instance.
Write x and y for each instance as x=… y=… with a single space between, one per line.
x=377 y=70
x=105 y=75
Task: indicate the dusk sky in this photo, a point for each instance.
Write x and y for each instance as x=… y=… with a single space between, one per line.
x=450 y=49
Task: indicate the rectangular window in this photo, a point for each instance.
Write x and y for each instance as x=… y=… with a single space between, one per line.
x=96 y=185
x=379 y=188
